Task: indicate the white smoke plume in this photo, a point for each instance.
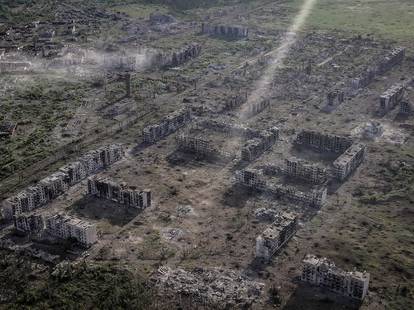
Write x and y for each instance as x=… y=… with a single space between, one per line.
x=278 y=55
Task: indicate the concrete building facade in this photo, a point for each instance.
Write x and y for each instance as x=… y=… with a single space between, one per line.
x=110 y=190
x=276 y=235
x=65 y=227
x=59 y=182
x=323 y=273
x=345 y=164
x=391 y=98
x=167 y=126
x=231 y=32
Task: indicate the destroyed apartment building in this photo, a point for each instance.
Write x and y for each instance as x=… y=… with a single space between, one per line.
x=352 y=86
x=170 y=124
x=57 y=225
x=347 y=163
x=197 y=139
x=7 y=129
x=323 y=273
x=177 y=58
x=300 y=169
x=58 y=183
x=213 y=288
x=107 y=189
x=255 y=179
x=391 y=98
x=392 y=59
x=276 y=235
x=231 y=32
x=253 y=108
x=351 y=154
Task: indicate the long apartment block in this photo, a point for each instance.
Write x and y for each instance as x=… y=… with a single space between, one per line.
x=323 y=273
x=107 y=189
x=59 y=182
x=167 y=126
x=57 y=225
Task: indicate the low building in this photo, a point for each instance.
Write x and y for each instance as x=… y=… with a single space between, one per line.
x=276 y=235
x=323 y=273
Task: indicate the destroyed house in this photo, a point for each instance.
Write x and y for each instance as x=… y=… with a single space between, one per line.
x=300 y=169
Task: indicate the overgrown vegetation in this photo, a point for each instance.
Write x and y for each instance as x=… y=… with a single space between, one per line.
x=27 y=285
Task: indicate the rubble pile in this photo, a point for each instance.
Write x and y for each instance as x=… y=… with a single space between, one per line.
x=217 y=288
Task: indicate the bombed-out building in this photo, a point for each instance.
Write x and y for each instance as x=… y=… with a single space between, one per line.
x=322 y=142
x=255 y=179
x=309 y=172
x=177 y=58
x=66 y=227
x=28 y=224
x=170 y=124
x=231 y=32
x=276 y=235
x=58 y=183
x=110 y=190
x=391 y=98
x=253 y=148
x=323 y=273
